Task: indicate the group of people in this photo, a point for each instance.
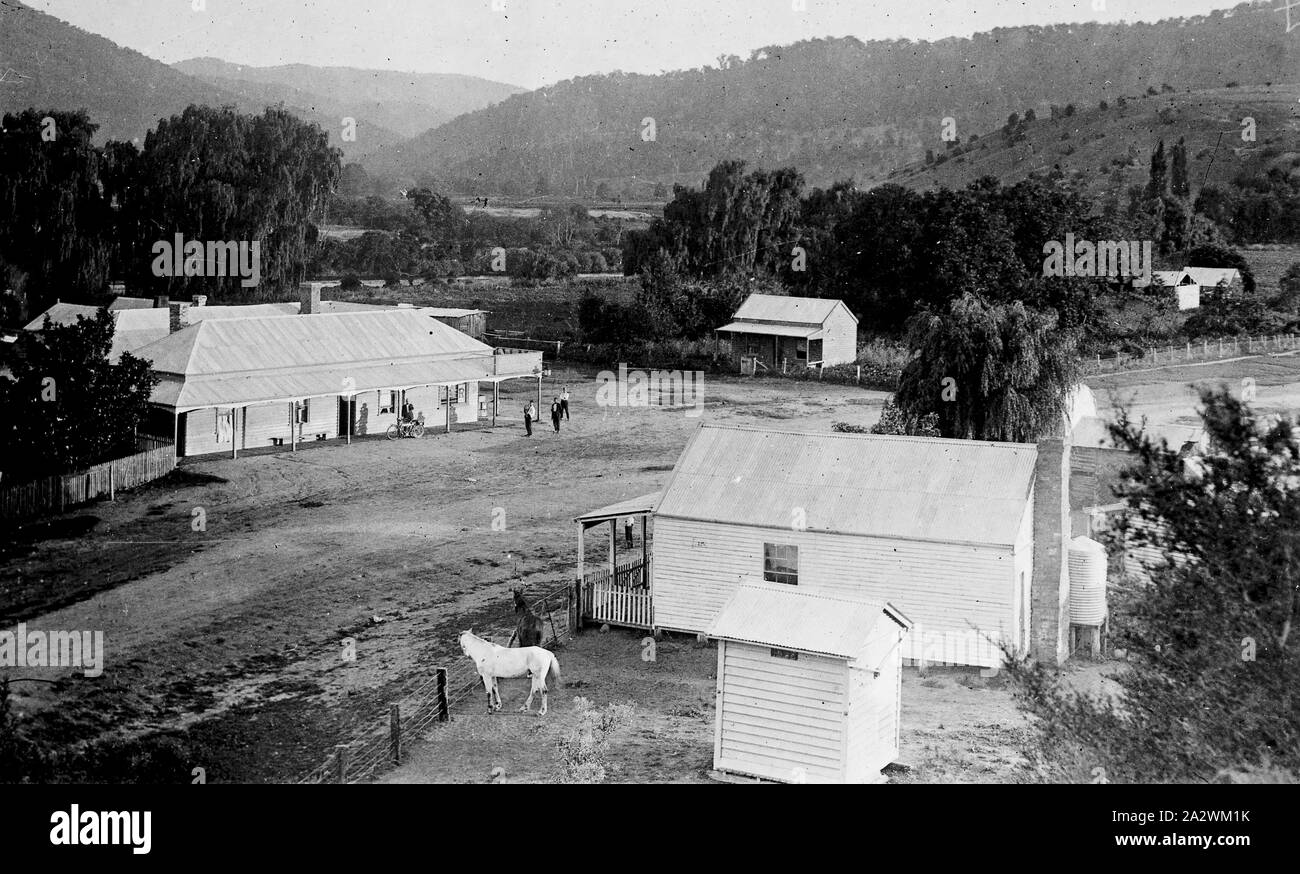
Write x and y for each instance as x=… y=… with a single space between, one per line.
x=559 y=410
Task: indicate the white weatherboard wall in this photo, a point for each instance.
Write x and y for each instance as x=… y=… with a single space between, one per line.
x=780 y=719
x=840 y=337
x=812 y=719
x=939 y=586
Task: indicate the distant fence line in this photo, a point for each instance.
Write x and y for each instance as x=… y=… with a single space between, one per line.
x=1193 y=351
x=381 y=745
x=511 y=343
x=55 y=494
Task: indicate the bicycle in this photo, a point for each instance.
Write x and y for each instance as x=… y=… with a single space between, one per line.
x=405 y=429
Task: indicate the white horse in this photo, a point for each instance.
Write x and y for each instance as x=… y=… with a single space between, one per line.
x=495 y=661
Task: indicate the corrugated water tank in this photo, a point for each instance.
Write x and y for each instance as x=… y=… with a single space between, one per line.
x=1087 y=563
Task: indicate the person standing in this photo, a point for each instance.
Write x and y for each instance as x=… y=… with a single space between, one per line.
x=528 y=419
x=564 y=403
x=555 y=414
x=627 y=530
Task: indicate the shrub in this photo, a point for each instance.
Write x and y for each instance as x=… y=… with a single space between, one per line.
x=585 y=749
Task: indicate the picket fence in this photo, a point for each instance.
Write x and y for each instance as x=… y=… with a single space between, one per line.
x=55 y=494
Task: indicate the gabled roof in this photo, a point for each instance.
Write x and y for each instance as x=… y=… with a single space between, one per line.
x=788 y=310
x=1168 y=278
x=1214 y=275
x=790 y=617
x=122 y=302
x=251 y=360
x=62 y=314
x=917 y=488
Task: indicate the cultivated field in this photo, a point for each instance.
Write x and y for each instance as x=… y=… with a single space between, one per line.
x=227 y=640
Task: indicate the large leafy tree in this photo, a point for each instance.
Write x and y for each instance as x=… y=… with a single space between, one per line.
x=55 y=218
x=1212 y=641
x=215 y=174
x=67 y=407
x=989 y=371
x=738 y=222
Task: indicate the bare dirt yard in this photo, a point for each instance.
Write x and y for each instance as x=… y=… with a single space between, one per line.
x=224 y=643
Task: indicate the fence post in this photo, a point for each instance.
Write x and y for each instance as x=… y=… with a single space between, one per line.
x=440 y=685
x=395 y=732
x=341 y=760
x=859 y=377
x=1189 y=350
x=112 y=495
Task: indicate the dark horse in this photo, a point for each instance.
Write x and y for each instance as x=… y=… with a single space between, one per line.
x=529 y=630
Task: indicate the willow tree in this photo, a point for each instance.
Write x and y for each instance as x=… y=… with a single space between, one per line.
x=989 y=371
x=219 y=175
x=55 y=222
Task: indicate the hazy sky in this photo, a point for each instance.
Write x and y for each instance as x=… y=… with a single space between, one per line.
x=537 y=42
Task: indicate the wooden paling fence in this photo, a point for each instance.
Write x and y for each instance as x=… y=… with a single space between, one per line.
x=382 y=744
x=57 y=493
x=622 y=598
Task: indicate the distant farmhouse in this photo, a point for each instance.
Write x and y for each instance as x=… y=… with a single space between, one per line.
x=780 y=332
x=1188 y=282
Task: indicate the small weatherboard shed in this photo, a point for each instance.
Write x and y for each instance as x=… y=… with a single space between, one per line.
x=809 y=685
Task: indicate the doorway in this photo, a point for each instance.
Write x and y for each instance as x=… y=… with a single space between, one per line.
x=347 y=416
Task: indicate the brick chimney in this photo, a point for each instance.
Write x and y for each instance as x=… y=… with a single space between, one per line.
x=1049 y=620
x=200 y=300
x=179 y=316
x=310 y=298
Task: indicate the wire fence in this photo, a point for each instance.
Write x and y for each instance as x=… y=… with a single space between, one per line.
x=1195 y=351
x=381 y=745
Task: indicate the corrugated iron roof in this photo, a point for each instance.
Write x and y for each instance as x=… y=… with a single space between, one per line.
x=630 y=507
x=122 y=302
x=778 y=308
x=789 y=617
x=62 y=314
x=252 y=360
x=957 y=491
x=804 y=331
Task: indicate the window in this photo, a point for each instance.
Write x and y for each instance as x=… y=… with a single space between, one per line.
x=304 y=412
x=462 y=393
x=781 y=563
x=442 y=395
x=801 y=353
x=387 y=402
x=785 y=654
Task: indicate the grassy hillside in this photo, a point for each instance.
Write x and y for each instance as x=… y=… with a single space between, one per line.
x=1110 y=149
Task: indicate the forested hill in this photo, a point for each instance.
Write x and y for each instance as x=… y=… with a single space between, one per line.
x=408 y=103
x=832 y=107
x=49 y=64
